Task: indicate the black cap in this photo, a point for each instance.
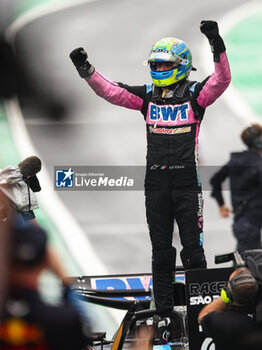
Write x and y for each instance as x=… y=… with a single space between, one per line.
x=28 y=246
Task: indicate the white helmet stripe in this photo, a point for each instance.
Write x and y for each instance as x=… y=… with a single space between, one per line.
x=165 y=56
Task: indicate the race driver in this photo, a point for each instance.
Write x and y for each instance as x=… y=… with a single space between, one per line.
x=173 y=108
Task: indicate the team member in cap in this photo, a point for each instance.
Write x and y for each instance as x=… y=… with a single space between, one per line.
x=229 y=317
x=244 y=171
x=27 y=321
x=173 y=108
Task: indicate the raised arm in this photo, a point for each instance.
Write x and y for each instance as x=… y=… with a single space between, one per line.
x=109 y=90
x=113 y=93
x=217 y=83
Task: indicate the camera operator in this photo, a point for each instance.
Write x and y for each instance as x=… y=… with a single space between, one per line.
x=229 y=317
x=244 y=171
x=26 y=320
x=19 y=183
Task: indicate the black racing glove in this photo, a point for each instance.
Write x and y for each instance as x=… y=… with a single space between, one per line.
x=79 y=58
x=210 y=30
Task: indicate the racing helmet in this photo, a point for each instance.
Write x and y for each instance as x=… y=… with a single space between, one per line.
x=170 y=50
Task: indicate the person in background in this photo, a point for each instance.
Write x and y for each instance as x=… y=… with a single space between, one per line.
x=19 y=183
x=26 y=320
x=5 y=214
x=244 y=171
x=229 y=317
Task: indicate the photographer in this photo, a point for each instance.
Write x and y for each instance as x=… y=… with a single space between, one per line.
x=228 y=318
x=244 y=171
x=19 y=183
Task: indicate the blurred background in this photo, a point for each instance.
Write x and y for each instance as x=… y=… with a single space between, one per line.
x=49 y=111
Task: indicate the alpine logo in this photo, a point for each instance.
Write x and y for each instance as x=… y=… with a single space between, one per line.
x=169 y=113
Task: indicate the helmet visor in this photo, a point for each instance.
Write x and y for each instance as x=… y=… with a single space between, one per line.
x=163 y=66
x=167 y=57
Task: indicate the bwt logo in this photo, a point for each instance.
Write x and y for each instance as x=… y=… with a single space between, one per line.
x=64 y=178
x=169 y=113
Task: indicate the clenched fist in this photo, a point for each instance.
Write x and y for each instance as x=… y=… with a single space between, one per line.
x=83 y=66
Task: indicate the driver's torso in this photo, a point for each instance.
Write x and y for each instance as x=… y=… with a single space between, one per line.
x=172 y=124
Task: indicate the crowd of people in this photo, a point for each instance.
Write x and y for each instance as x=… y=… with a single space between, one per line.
x=173 y=108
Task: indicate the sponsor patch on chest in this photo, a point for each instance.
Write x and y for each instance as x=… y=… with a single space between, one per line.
x=169 y=113
x=170 y=131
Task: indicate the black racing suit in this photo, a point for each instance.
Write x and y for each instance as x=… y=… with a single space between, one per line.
x=172 y=186
x=244 y=171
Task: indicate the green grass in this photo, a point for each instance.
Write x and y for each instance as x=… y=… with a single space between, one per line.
x=25 y=5
x=244 y=49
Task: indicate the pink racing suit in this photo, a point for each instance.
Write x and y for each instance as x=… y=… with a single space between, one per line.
x=172 y=186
